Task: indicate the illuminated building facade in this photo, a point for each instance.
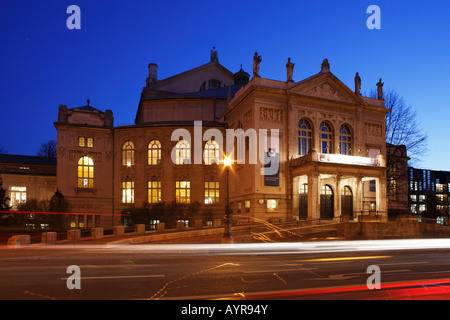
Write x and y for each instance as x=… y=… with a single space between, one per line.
x=27 y=177
x=429 y=192
x=329 y=141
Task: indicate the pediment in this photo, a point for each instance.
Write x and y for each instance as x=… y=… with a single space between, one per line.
x=326 y=86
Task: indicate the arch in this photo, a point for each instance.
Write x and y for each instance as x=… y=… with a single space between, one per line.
x=128 y=153
x=326 y=138
x=326 y=203
x=347 y=202
x=85 y=172
x=211 y=153
x=183 y=152
x=345 y=140
x=304 y=136
x=154 y=152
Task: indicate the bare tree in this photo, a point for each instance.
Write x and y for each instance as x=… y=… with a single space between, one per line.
x=402 y=128
x=47 y=149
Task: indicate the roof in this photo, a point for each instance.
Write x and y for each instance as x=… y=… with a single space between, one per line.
x=12 y=158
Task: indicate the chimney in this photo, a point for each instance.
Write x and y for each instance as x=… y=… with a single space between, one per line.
x=152 y=74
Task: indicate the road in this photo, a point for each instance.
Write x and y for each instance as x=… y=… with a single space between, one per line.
x=326 y=270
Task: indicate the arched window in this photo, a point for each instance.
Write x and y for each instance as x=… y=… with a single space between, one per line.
x=304 y=137
x=154 y=152
x=128 y=154
x=85 y=172
x=183 y=152
x=211 y=153
x=345 y=140
x=326 y=138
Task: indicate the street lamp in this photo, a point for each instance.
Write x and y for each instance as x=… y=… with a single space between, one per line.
x=227 y=232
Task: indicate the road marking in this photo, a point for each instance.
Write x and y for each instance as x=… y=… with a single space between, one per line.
x=281 y=270
x=344 y=259
x=120 y=277
x=345 y=276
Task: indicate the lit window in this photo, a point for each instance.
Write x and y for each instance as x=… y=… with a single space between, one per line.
x=326 y=138
x=154 y=152
x=183 y=191
x=154 y=191
x=413 y=208
x=413 y=197
x=90 y=142
x=183 y=152
x=128 y=192
x=304 y=137
x=247 y=205
x=211 y=154
x=422 y=208
x=393 y=189
x=422 y=198
x=272 y=204
x=18 y=195
x=85 y=172
x=81 y=142
x=128 y=154
x=211 y=192
x=345 y=140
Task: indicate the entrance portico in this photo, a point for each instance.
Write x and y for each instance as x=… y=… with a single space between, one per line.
x=331 y=186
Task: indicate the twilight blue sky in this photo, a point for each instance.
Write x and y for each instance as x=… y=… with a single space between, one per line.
x=44 y=64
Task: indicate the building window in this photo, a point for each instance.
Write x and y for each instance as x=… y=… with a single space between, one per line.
x=154 y=191
x=272 y=204
x=211 y=153
x=18 y=195
x=183 y=152
x=413 y=197
x=213 y=84
x=393 y=189
x=345 y=140
x=183 y=191
x=247 y=205
x=154 y=152
x=85 y=172
x=81 y=142
x=304 y=137
x=422 y=208
x=128 y=192
x=211 y=192
x=326 y=138
x=85 y=142
x=128 y=154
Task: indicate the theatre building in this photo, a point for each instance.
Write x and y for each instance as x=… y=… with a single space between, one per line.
x=328 y=140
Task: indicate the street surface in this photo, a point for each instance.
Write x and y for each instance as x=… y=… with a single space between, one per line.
x=410 y=269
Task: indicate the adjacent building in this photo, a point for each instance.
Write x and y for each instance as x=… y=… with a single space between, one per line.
x=27 y=177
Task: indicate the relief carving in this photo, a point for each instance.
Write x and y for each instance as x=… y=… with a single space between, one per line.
x=271 y=115
x=373 y=130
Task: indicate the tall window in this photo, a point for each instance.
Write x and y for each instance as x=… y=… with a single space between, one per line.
x=154 y=191
x=18 y=195
x=183 y=152
x=127 y=191
x=304 y=137
x=211 y=192
x=345 y=140
x=183 y=191
x=211 y=154
x=154 y=152
x=85 y=172
x=393 y=189
x=326 y=138
x=128 y=154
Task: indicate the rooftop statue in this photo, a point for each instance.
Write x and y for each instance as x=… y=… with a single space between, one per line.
x=290 y=70
x=256 y=61
x=380 y=89
x=357 y=84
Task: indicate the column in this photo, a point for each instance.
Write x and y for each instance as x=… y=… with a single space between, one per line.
x=313 y=196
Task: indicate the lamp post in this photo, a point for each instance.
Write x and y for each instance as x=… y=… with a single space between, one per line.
x=227 y=232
